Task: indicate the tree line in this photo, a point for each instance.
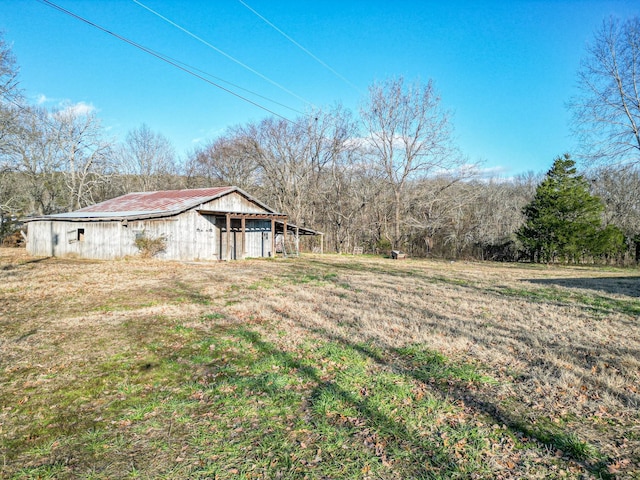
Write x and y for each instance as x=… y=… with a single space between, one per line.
x=386 y=177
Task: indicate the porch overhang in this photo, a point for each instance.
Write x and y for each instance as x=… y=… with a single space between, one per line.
x=245 y=215
x=295 y=229
x=279 y=226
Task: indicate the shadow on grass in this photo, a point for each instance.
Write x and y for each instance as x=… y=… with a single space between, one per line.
x=356 y=266
x=176 y=291
x=405 y=363
x=629 y=286
x=190 y=293
x=434 y=459
x=449 y=382
x=13 y=266
x=583 y=356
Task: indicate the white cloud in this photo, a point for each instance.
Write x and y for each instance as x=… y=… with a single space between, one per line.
x=492 y=172
x=66 y=107
x=77 y=109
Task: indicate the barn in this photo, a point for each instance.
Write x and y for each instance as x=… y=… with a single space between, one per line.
x=221 y=223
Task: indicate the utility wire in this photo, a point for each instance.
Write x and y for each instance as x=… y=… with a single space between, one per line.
x=272 y=82
x=325 y=65
x=159 y=56
x=196 y=69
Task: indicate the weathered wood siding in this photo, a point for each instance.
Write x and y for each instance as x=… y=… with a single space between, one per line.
x=84 y=239
x=234 y=202
x=189 y=236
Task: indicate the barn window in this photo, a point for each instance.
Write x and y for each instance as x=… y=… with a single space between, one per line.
x=76 y=235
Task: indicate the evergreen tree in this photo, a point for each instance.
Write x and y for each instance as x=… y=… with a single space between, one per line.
x=564 y=221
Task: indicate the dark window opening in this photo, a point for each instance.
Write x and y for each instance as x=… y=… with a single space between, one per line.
x=80 y=236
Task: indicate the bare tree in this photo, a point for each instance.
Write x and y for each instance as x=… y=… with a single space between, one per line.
x=37 y=156
x=607 y=111
x=409 y=136
x=9 y=99
x=223 y=161
x=433 y=206
x=60 y=157
x=307 y=168
x=497 y=214
x=619 y=189
x=338 y=168
x=85 y=154
x=10 y=196
x=280 y=148
x=148 y=161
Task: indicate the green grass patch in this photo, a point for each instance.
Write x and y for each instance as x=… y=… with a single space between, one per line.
x=555 y=434
x=234 y=403
x=431 y=366
x=225 y=403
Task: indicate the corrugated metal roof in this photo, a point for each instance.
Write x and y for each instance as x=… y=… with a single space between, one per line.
x=145 y=203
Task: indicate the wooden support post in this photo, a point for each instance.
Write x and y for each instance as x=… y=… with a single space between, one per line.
x=244 y=236
x=228 y=253
x=297 y=241
x=321 y=243
x=284 y=237
x=273 y=237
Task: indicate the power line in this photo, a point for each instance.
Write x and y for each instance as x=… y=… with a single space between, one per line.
x=196 y=69
x=325 y=65
x=159 y=56
x=264 y=77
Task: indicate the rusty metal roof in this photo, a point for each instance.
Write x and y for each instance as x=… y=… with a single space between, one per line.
x=157 y=202
x=149 y=204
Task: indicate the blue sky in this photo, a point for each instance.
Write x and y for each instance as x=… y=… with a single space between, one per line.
x=504 y=68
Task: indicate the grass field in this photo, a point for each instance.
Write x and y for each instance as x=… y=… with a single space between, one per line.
x=317 y=367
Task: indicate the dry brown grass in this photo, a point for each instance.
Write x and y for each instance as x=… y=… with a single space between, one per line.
x=563 y=343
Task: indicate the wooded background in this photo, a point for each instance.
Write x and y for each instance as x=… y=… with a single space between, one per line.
x=387 y=176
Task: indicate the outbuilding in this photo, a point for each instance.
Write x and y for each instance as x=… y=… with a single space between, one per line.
x=220 y=223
